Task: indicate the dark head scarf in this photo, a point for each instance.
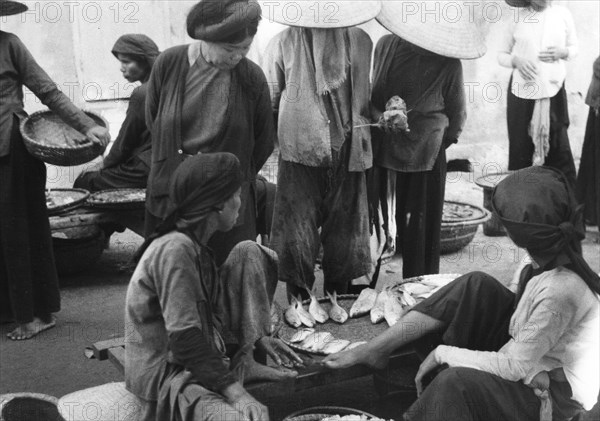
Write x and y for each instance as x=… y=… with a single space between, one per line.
x=538 y=209
x=199 y=186
x=229 y=21
x=137 y=45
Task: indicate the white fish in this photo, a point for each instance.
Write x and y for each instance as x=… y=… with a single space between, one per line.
x=378 y=310
x=335 y=345
x=416 y=289
x=301 y=334
x=407 y=299
x=354 y=345
x=315 y=309
x=291 y=314
x=337 y=313
x=393 y=310
x=316 y=341
x=305 y=317
x=364 y=303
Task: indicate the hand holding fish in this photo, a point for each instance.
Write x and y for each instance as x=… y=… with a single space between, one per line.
x=279 y=352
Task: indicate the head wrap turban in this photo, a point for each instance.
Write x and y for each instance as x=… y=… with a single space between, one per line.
x=137 y=45
x=201 y=184
x=220 y=20
x=538 y=209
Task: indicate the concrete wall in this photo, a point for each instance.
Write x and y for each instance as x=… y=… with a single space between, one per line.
x=72 y=43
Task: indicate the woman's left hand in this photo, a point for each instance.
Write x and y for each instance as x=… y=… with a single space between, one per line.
x=430 y=363
x=282 y=354
x=552 y=54
x=98 y=134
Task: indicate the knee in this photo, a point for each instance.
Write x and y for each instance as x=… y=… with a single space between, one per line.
x=478 y=280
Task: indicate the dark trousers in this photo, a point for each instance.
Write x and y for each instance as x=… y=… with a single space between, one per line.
x=477 y=310
x=28 y=279
x=588 y=178
x=419 y=208
x=333 y=200
x=520 y=152
x=131 y=174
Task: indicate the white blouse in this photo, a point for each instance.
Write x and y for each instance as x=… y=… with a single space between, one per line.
x=556 y=324
x=531 y=32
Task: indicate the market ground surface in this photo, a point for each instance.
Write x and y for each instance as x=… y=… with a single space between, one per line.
x=93 y=303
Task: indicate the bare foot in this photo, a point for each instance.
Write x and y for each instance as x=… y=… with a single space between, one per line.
x=360 y=355
x=29 y=330
x=254 y=371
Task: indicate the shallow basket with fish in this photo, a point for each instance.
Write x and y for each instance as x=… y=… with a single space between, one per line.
x=394 y=300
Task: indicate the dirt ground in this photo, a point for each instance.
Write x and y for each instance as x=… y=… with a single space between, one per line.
x=93 y=303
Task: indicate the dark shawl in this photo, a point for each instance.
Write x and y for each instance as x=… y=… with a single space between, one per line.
x=137 y=45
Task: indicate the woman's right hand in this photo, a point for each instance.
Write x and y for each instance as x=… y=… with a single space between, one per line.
x=245 y=403
x=527 y=68
x=98 y=134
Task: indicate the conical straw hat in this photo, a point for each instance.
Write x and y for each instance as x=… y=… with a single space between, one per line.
x=444 y=27
x=8 y=7
x=320 y=14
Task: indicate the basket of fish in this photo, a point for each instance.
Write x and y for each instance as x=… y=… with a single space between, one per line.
x=331 y=413
x=324 y=326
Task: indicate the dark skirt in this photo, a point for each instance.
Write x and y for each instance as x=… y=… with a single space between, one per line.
x=477 y=310
x=520 y=146
x=419 y=208
x=28 y=279
x=588 y=178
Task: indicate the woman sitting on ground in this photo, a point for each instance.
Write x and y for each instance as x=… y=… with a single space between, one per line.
x=128 y=163
x=504 y=349
x=181 y=310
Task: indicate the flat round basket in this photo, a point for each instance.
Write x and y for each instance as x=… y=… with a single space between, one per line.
x=28 y=407
x=63 y=200
x=118 y=199
x=459 y=225
x=318 y=413
x=356 y=329
x=48 y=138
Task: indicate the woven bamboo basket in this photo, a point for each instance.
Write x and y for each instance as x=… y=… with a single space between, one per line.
x=317 y=413
x=48 y=138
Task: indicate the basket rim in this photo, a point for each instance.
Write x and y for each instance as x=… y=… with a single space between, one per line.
x=486 y=216
x=54 y=147
x=325 y=410
x=116 y=205
x=68 y=206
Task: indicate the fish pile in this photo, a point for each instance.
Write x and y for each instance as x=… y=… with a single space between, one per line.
x=323 y=342
x=351 y=418
x=296 y=315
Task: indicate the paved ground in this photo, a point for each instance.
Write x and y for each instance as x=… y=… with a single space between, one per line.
x=93 y=302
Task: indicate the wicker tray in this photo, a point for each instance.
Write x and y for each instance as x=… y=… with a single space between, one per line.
x=118 y=199
x=48 y=138
x=317 y=413
x=354 y=329
x=63 y=200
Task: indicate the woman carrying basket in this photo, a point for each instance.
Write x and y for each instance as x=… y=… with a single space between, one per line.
x=29 y=291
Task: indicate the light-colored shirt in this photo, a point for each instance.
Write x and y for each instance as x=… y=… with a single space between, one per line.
x=555 y=325
x=528 y=34
x=174 y=288
x=304 y=123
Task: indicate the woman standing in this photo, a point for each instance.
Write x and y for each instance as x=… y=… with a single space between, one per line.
x=128 y=162
x=207 y=97
x=420 y=63
x=29 y=284
x=588 y=178
x=319 y=71
x=536 y=44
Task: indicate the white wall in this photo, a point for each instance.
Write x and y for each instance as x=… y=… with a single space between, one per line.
x=72 y=41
